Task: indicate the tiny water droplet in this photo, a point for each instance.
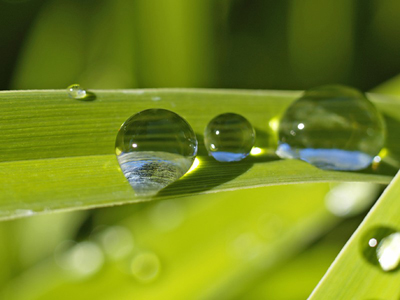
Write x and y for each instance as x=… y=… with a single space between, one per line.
x=229 y=137
x=155 y=148
x=145 y=266
x=75 y=91
x=380 y=246
x=332 y=127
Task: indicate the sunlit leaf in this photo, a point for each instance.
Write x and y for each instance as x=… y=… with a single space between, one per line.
x=356 y=272
x=57 y=153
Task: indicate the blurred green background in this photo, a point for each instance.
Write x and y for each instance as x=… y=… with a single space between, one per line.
x=265 y=243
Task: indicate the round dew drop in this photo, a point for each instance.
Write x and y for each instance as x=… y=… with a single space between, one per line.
x=229 y=137
x=380 y=246
x=154 y=148
x=332 y=127
x=75 y=91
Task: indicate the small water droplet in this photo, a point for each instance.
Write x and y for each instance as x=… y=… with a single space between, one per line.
x=380 y=246
x=155 y=148
x=332 y=127
x=75 y=91
x=145 y=267
x=229 y=137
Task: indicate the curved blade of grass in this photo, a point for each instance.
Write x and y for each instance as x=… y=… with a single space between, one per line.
x=57 y=153
x=351 y=276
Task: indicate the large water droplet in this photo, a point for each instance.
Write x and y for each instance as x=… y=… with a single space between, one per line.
x=332 y=127
x=154 y=148
x=229 y=137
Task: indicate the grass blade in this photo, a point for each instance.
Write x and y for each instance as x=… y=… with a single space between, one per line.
x=57 y=153
x=351 y=276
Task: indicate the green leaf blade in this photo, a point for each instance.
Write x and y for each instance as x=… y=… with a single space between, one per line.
x=57 y=153
x=351 y=276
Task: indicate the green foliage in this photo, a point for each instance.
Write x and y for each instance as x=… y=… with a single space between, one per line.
x=210 y=235
x=70 y=146
x=352 y=275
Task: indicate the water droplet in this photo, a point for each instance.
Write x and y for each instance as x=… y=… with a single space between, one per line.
x=229 y=137
x=116 y=241
x=155 y=148
x=380 y=246
x=332 y=127
x=145 y=266
x=75 y=91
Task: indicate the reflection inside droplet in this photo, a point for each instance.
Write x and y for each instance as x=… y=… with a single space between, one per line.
x=372 y=242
